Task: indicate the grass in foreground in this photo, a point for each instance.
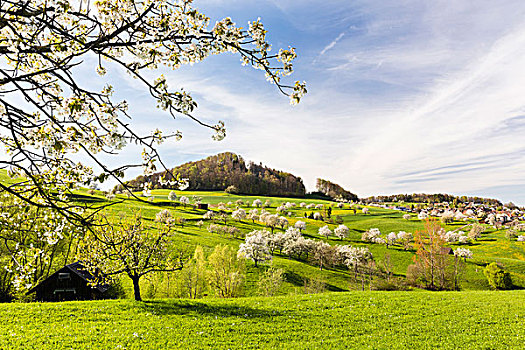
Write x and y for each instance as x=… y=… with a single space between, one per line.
x=379 y=320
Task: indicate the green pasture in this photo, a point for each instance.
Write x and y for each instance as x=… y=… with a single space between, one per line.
x=493 y=246
x=352 y=320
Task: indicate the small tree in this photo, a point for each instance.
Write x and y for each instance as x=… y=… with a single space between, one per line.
x=431 y=261
x=391 y=239
x=128 y=247
x=341 y=231
x=405 y=238
x=388 y=265
x=325 y=231
x=253 y=215
x=323 y=254
x=225 y=272
x=301 y=225
x=172 y=196
x=231 y=189
x=239 y=214
x=255 y=247
x=475 y=231
x=283 y=222
x=270 y=220
x=193 y=275
x=497 y=277
x=270 y=282
x=184 y=200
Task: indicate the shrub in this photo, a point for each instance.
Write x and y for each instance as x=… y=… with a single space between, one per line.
x=231 y=189
x=116 y=290
x=511 y=234
x=390 y=285
x=226 y=272
x=270 y=282
x=314 y=285
x=497 y=277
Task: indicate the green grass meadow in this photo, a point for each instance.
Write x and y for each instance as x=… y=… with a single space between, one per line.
x=342 y=317
x=353 y=320
x=493 y=246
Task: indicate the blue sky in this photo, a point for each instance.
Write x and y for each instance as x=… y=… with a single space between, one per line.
x=404 y=96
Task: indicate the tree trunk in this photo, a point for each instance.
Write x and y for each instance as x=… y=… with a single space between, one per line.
x=136 y=288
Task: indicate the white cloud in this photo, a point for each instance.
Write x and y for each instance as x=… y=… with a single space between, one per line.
x=332 y=44
x=416 y=96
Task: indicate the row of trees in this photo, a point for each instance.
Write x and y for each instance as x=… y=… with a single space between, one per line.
x=260 y=245
x=432 y=198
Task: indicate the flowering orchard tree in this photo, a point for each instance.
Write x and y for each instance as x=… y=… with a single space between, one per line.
x=239 y=214
x=35 y=241
x=270 y=220
x=422 y=215
x=255 y=247
x=283 y=222
x=48 y=114
x=391 y=239
x=325 y=231
x=354 y=257
x=130 y=248
x=463 y=253
x=405 y=238
x=184 y=200
x=323 y=254
x=301 y=225
x=341 y=231
x=172 y=196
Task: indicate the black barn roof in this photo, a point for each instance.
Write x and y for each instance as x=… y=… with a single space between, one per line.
x=78 y=269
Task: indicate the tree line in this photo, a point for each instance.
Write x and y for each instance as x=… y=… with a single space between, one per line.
x=432 y=198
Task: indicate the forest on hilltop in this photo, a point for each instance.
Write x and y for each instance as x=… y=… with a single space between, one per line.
x=334 y=191
x=227 y=169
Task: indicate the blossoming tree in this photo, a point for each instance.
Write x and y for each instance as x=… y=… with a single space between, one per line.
x=49 y=114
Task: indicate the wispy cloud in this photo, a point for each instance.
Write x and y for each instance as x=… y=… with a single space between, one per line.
x=407 y=96
x=332 y=44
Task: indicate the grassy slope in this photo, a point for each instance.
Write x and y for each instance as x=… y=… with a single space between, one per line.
x=492 y=247
x=379 y=320
x=384 y=320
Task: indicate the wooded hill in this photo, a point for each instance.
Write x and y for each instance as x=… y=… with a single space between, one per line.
x=334 y=191
x=220 y=171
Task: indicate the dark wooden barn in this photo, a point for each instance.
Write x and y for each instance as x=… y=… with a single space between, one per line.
x=69 y=283
x=202 y=206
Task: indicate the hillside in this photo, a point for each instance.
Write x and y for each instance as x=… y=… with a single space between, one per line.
x=351 y=318
x=220 y=171
x=356 y=320
x=493 y=246
x=334 y=191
